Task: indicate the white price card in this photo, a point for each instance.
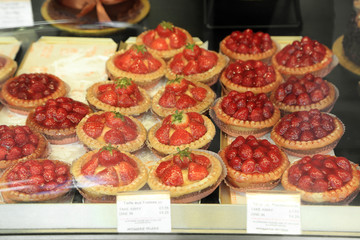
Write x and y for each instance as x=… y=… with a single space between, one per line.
x=144 y=211
x=16 y=13
x=273 y=212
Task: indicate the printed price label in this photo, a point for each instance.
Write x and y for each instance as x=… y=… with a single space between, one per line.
x=16 y=13
x=273 y=213
x=144 y=211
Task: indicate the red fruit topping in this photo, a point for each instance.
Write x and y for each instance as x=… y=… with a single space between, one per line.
x=172 y=176
x=197 y=172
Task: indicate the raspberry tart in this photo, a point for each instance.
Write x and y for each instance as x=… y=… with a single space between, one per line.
x=197 y=65
x=57 y=119
x=301 y=57
x=101 y=174
x=181 y=130
x=20 y=143
x=308 y=92
x=181 y=94
x=307 y=132
x=188 y=175
x=248 y=45
x=99 y=129
x=137 y=63
x=245 y=114
x=121 y=95
x=36 y=180
x=166 y=40
x=251 y=75
x=7 y=68
x=27 y=91
x=253 y=164
x=323 y=179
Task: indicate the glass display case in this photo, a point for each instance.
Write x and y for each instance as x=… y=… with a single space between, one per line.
x=223 y=212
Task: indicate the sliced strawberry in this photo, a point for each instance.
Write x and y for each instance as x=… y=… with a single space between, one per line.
x=179 y=120
x=190 y=68
x=149 y=37
x=205 y=63
x=124 y=86
x=194 y=116
x=180 y=137
x=88 y=169
x=177 y=39
x=201 y=159
x=114 y=136
x=138 y=67
x=153 y=64
x=93 y=129
x=191 y=51
x=199 y=93
x=123 y=61
x=106 y=87
x=168 y=99
x=172 y=176
x=162 y=167
x=126 y=172
x=185 y=101
x=197 y=129
x=109 y=97
x=114 y=119
x=197 y=172
x=178 y=85
x=129 y=132
x=177 y=64
x=159 y=44
x=125 y=101
x=108 y=176
x=163 y=134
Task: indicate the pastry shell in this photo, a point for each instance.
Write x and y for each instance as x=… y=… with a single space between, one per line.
x=97 y=105
x=191 y=190
x=200 y=107
x=13 y=196
x=162 y=149
x=92 y=143
x=9 y=68
x=209 y=77
x=242 y=182
x=344 y=193
x=106 y=193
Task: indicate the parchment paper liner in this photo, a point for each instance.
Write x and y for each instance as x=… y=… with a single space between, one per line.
x=235 y=131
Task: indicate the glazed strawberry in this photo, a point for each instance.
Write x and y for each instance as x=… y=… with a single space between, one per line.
x=199 y=93
x=185 y=101
x=178 y=85
x=93 y=129
x=108 y=176
x=191 y=51
x=182 y=158
x=114 y=136
x=168 y=99
x=162 y=167
x=177 y=120
x=127 y=173
x=165 y=29
x=197 y=129
x=172 y=176
x=197 y=172
x=180 y=137
x=109 y=156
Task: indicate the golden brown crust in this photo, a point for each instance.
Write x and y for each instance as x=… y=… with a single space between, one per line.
x=26 y=105
x=331 y=196
x=98 y=143
x=165 y=54
x=8 y=70
x=200 y=107
x=325 y=104
x=95 y=190
x=235 y=126
x=164 y=149
x=299 y=71
x=229 y=85
x=11 y=196
x=142 y=80
x=215 y=171
x=309 y=146
x=242 y=56
x=244 y=181
x=209 y=77
x=97 y=105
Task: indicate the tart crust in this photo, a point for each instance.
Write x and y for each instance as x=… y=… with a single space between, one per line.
x=97 y=105
x=142 y=80
x=299 y=71
x=229 y=85
x=98 y=143
x=163 y=149
x=200 y=107
x=23 y=106
x=188 y=187
x=13 y=196
x=246 y=56
x=209 y=77
x=93 y=190
x=302 y=148
x=165 y=54
x=324 y=105
x=8 y=70
x=331 y=196
x=235 y=127
x=240 y=181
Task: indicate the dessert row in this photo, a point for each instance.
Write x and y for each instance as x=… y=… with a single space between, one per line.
x=266 y=90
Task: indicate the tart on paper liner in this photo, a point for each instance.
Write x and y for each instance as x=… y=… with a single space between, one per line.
x=304 y=97
x=184 y=190
x=320 y=139
x=323 y=179
x=197 y=64
x=137 y=63
x=180 y=130
x=27 y=91
x=49 y=182
x=8 y=68
x=237 y=48
x=100 y=174
x=182 y=95
x=250 y=75
x=26 y=144
x=234 y=126
x=121 y=95
x=99 y=129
